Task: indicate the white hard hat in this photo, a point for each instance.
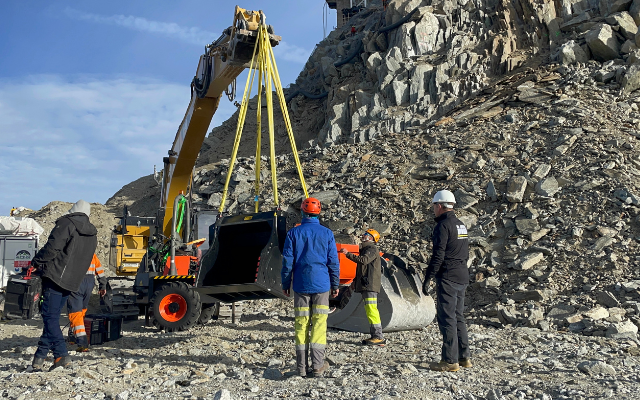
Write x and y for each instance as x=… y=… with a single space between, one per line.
x=444 y=196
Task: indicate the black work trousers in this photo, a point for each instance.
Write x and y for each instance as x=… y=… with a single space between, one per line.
x=455 y=341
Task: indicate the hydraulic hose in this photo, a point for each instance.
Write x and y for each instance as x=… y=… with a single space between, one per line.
x=356 y=50
x=172 y=265
x=397 y=24
x=305 y=94
x=350 y=57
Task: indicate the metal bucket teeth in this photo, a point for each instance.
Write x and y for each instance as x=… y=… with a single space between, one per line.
x=401 y=304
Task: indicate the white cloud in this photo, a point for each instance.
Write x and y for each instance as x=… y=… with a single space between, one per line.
x=290 y=52
x=65 y=138
x=193 y=35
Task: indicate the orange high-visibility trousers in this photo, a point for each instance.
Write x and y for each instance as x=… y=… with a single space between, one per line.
x=77 y=308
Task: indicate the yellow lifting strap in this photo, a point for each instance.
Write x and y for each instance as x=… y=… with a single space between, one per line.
x=263 y=61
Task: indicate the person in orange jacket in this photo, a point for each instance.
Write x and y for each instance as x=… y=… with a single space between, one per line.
x=78 y=302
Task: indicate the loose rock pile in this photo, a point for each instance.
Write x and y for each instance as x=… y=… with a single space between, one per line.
x=254 y=360
x=528 y=112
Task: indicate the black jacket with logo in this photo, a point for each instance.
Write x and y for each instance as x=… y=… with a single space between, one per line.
x=369 y=268
x=450 y=250
x=66 y=257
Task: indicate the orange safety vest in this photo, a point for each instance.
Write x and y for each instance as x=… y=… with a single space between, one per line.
x=95 y=267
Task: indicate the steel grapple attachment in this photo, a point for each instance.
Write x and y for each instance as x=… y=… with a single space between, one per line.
x=401 y=304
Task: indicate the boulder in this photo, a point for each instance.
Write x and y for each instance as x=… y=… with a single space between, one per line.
x=491 y=191
x=631 y=80
x=541 y=171
x=528 y=261
x=571 y=53
x=597 y=313
x=400 y=93
x=396 y=10
x=373 y=62
x=528 y=295
x=622 y=327
x=634 y=11
x=222 y=394
x=426 y=34
x=464 y=200
x=420 y=82
x=516 y=188
x=527 y=226
x=607 y=299
x=627 y=26
x=560 y=312
x=596 y=368
x=603 y=43
x=615 y=6
x=547 y=187
x=628 y=47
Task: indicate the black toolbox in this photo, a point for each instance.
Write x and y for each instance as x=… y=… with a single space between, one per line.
x=23 y=296
x=102 y=328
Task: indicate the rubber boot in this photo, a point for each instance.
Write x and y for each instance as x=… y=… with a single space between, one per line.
x=37 y=364
x=63 y=362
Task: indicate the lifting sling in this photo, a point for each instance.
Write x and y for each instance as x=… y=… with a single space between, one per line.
x=263 y=63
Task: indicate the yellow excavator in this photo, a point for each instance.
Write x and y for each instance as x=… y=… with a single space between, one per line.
x=186 y=261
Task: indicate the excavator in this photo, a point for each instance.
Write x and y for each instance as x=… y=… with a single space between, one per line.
x=185 y=261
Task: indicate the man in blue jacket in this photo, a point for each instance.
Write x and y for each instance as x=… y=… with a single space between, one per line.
x=310 y=257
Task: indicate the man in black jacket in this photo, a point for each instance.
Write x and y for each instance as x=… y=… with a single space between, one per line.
x=64 y=262
x=448 y=265
x=367 y=282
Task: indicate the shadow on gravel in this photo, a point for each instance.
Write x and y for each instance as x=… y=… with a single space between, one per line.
x=261 y=327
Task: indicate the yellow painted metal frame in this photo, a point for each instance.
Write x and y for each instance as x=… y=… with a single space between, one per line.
x=264 y=63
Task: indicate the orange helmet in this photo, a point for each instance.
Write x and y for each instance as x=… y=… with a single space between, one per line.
x=374 y=233
x=311 y=206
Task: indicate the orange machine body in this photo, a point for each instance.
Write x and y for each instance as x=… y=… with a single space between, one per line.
x=182 y=265
x=347 y=267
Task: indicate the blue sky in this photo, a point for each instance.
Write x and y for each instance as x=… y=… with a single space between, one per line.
x=92 y=92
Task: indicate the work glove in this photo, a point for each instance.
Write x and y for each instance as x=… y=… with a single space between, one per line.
x=425 y=287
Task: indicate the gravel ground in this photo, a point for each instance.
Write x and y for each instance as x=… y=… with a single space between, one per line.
x=255 y=359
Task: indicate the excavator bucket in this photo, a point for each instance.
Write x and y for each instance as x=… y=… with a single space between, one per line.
x=244 y=258
x=401 y=304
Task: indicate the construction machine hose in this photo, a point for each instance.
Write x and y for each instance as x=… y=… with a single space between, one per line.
x=202 y=86
x=172 y=239
x=306 y=94
x=351 y=56
x=398 y=23
x=356 y=50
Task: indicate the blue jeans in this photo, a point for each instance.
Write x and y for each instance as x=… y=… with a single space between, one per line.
x=54 y=298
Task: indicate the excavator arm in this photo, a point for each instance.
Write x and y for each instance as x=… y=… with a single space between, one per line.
x=219 y=66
